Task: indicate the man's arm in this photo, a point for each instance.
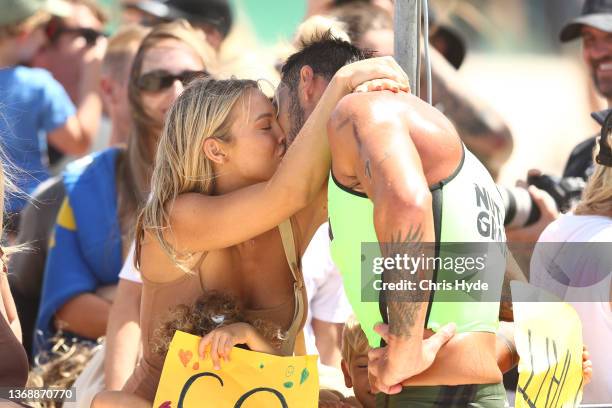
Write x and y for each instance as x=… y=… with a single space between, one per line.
x=328 y=338
x=76 y=135
x=372 y=152
x=85 y=314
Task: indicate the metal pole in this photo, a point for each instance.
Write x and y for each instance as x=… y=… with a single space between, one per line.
x=407 y=23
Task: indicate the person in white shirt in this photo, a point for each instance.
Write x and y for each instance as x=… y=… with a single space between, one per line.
x=328 y=307
x=581 y=272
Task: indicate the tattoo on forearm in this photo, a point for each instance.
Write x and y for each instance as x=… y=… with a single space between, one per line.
x=368 y=171
x=403 y=311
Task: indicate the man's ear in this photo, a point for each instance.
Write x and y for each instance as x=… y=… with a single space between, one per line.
x=307 y=83
x=107 y=92
x=213 y=149
x=348 y=380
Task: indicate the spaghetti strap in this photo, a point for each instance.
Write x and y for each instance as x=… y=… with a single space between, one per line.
x=296 y=343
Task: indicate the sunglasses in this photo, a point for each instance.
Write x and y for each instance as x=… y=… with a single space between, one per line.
x=54 y=29
x=157 y=80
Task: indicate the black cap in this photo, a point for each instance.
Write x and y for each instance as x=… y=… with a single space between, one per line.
x=595 y=13
x=601 y=116
x=604 y=118
x=215 y=12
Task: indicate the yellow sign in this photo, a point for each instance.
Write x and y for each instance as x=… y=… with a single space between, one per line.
x=248 y=380
x=548 y=335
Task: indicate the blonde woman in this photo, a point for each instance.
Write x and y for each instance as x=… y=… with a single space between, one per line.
x=224 y=181
x=573 y=260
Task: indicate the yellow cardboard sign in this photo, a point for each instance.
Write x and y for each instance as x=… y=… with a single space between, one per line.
x=248 y=380
x=548 y=335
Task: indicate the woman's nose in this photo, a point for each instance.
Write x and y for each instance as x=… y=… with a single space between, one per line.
x=176 y=89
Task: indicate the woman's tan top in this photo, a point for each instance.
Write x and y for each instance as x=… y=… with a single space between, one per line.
x=158 y=298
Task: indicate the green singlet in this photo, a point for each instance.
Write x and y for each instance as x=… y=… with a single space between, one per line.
x=467 y=208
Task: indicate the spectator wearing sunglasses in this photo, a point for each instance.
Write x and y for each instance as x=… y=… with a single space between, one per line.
x=95 y=223
x=38 y=217
x=73 y=55
x=34 y=104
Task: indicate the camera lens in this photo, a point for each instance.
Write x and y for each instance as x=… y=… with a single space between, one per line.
x=520 y=208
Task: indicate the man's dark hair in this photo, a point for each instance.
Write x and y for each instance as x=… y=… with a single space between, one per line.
x=325 y=54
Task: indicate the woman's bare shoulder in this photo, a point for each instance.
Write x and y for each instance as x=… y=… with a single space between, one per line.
x=156 y=265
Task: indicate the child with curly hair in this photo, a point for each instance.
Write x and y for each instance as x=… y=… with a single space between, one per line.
x=219 y=319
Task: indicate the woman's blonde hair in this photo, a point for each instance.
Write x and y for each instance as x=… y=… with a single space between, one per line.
x=202 y=111
x=597 y=195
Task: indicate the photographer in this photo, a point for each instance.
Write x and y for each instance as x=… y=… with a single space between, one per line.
x=594 y=26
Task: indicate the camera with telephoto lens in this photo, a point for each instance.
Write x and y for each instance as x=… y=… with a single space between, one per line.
x=522 y=211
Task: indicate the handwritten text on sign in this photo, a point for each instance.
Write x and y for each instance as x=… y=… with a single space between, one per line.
x=249 y=379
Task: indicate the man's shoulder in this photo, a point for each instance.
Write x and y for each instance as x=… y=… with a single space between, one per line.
x=365 y=101
x=585 y=145
x=33 y=77
x=387 y=107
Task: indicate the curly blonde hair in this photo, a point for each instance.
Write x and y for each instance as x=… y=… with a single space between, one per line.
x=209 y=312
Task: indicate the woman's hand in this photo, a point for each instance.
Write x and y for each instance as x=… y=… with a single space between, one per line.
x=222 y=340
x=374 y=74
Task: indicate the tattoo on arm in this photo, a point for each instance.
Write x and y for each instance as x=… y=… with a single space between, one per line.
x=357 y=136
x=403 y=310
x=368 y=172
x=350 y=120
x=343 y=123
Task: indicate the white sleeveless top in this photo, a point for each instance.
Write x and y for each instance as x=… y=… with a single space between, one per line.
x=593 y=272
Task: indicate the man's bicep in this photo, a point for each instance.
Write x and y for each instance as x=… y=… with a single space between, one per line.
x=370 y=148
x=388 y=161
